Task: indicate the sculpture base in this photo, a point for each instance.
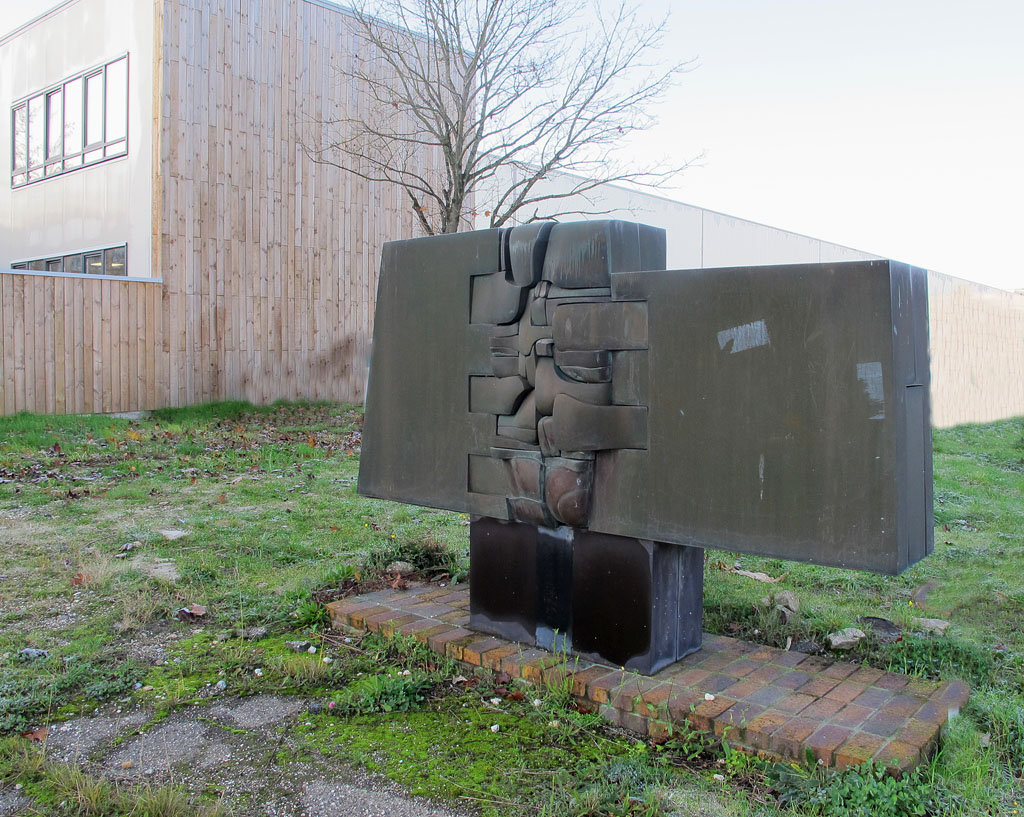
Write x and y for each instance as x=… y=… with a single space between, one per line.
x=630 y=602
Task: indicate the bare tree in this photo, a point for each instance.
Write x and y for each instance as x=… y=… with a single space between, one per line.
x=509 y=92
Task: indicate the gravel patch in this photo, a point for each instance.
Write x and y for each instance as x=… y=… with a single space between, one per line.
x=161 y=749
x=12 y=803
x=78 y=738
x=259 y=710
x=325 y=798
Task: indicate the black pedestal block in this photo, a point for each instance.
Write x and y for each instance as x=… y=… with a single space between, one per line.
x=624 y=601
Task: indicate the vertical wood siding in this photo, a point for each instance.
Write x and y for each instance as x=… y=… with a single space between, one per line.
x=268 y=261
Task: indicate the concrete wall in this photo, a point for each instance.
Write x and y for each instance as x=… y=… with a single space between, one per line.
x=104 y=204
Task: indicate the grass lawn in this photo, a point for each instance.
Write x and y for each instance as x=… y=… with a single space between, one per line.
x=108 y=527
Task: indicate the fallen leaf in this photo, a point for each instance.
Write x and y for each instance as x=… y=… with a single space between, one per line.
x=516 y=695
x=36 y=734
x=79 y=579
x=191 y=613
x=222 y=498
x=127 y=764
x=236 y=480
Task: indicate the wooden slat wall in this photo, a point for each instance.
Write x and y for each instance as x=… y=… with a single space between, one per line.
x=270 y=258
x=74 y=345
x=269 y=261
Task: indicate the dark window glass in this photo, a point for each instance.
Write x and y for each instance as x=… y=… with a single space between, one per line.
x=19 y=266
x=39 y=266
x=94 y=263
x=73 y=263
x=55 y=265
x=113 y=261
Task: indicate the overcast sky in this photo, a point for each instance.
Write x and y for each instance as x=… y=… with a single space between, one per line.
x=892 y=126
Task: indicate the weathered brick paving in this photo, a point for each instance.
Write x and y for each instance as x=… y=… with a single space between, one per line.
x=760 y=698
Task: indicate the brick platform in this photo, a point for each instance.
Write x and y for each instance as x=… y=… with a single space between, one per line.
x=760 y=698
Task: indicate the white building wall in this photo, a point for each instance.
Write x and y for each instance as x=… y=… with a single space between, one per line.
x=104 y=204
x=696 y=237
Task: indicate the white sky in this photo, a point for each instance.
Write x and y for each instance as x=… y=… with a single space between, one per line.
x=892 y=126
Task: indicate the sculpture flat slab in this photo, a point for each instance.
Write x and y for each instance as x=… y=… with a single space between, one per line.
x=558 y=377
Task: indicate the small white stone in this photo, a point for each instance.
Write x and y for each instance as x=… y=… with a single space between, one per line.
x=719 y=777
x=495 y=701
x=257 y=671
x=311 y=650
x=708 y=696
x=495 y=728
x=328 y=659
x=537 y=701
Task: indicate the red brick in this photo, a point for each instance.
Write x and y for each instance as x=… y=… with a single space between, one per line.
x=903 y=705
x=374 y=622
x=456 y=617
x=903 y=755
x=788 y=739
x=409 y=597
x=473 y=653
x=416 y=625
x=954 y=694
x=825 y=741
x=602 y=690
x=768 y=695
x=732 y=724
x=717 y=661
x=818 y=686
x=455 y=647
x=920 y=734
x=682 y=702
x=741 y=689
x=759 y=731
x=767 y=673
x=892 y=680
x=424 y=635
x=438 y=641
x=357 y=618
x=839 y=670
x=874 y=697
x=391 y=626
x=794 y=703
x=866 y=675
x=857 y=749
x=492 y=658
x=634 y=723
x=428 y=609
x=922 y=687
x=653 y=702
x=846 y=691
x=765 y=655
x=659 y=731
x=692 y=678
x=513 y=664
x=815 y=664
x=790 y=659
x=822 y=709
x=582 y=680
x=703 y=716
x=742 y=666
x=852 y=716
x=792 y=680
x=883 y=724
x=933 y=712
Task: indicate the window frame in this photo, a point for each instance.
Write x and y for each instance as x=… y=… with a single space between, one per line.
x=86 y=155
x=43 y=263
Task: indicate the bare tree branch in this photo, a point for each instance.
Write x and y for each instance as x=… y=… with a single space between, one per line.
x=479 y=101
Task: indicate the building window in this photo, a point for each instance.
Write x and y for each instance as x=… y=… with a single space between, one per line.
x=79 y=122
x=106 y=261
